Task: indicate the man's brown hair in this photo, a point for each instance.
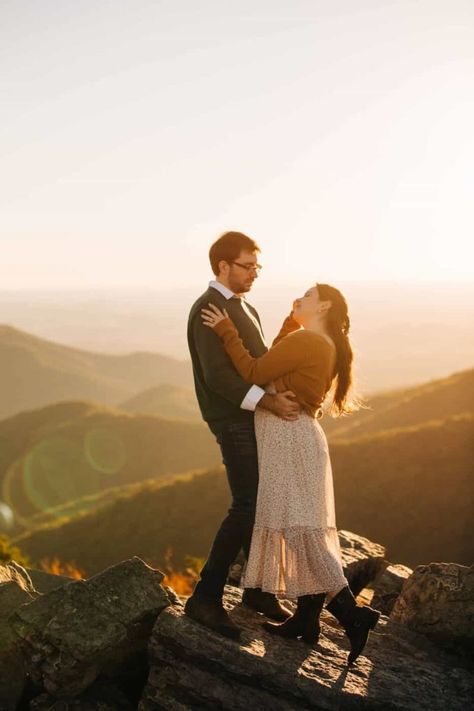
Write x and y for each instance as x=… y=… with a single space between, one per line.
x=228 y=247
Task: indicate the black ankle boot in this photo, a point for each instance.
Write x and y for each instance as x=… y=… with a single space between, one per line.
x=357 y=620
x=305 y=621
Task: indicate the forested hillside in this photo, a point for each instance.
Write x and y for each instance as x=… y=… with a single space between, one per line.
x=410 y=489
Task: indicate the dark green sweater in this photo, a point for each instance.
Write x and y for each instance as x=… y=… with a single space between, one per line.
x=219 y=388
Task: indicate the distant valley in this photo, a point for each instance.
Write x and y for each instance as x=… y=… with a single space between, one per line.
x=53 y=457
x=76 y=472
x=91 y=445
x=410 y=490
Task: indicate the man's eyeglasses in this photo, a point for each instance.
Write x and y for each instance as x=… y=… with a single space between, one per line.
x=249 y=267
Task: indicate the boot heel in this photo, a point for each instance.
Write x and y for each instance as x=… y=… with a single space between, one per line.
x=310 y=637
x=368 y=617
x=374 y=618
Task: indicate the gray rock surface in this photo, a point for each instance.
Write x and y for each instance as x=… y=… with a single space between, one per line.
x=15 y=590
x=45 y=582
x=193 y=668
x=438 y=601
x=85 y=644
x=362 y=559
x=100 y=696
x=388 y=585
x=87 y=627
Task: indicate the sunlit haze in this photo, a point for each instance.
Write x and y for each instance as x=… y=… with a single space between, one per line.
x=337 y=134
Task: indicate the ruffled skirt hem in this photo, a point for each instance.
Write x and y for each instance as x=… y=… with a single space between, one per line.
x=294 y=561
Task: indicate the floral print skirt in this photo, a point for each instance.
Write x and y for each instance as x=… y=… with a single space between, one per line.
x=295 y=547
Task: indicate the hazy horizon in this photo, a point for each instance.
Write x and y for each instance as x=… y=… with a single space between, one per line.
x=403 y=334
x=339 y=136
x=463 y=284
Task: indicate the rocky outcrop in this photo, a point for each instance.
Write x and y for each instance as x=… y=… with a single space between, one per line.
x=120 y=640
x=89 y=627
x=388 y=585
x=15 y=589
x=191 y=668
x=102 y=695
x=362 y=559
x=438 y=601
x=44 y=582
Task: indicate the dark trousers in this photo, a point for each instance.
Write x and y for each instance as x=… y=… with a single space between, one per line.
x=239 y=455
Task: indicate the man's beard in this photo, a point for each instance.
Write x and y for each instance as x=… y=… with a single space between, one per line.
x=241 y=287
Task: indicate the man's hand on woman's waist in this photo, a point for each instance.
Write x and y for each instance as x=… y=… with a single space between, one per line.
x=283 y=405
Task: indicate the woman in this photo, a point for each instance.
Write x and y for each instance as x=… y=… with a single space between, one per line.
x=295 y=547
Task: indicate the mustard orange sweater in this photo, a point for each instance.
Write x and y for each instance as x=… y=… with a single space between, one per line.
x=299 y=360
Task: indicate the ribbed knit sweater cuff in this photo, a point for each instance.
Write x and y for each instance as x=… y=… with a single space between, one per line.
x=225 y=327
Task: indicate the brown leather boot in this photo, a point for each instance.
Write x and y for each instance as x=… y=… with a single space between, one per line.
x=264 y=602
x=211 y=614
x=304 y=623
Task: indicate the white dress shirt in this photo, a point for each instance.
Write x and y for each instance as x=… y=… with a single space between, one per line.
x=255 y=393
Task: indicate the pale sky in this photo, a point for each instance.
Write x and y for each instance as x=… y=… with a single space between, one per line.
x=339 y=134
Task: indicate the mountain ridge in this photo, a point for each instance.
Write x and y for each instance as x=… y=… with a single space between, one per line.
x=435 y=399
x=379 y=491
x=35 y=372
x=65 y=451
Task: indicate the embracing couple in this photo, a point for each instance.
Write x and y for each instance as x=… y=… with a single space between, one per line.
x=263 y=404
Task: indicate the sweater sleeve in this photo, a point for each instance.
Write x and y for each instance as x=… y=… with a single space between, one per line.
x=289 y=325
x=288 y=355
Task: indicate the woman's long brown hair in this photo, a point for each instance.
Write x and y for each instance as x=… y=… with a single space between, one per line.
x=338 y=324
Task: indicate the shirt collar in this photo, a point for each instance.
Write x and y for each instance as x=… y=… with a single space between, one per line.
x=227 y=293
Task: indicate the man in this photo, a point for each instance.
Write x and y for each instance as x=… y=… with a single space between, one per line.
x=227 y=404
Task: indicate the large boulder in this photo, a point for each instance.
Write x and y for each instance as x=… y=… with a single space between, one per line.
x=193 y=668
x=362 y=559
x=16 y=589
x=102 y=695
x=388 y=586
x=45 y=582
x=89 y=627
x=438 y=601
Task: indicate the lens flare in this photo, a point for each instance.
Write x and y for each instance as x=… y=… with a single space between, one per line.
x=52 y=472
x=7 y=517
x=104 y=450
x=13 y=475
x=57 y=472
